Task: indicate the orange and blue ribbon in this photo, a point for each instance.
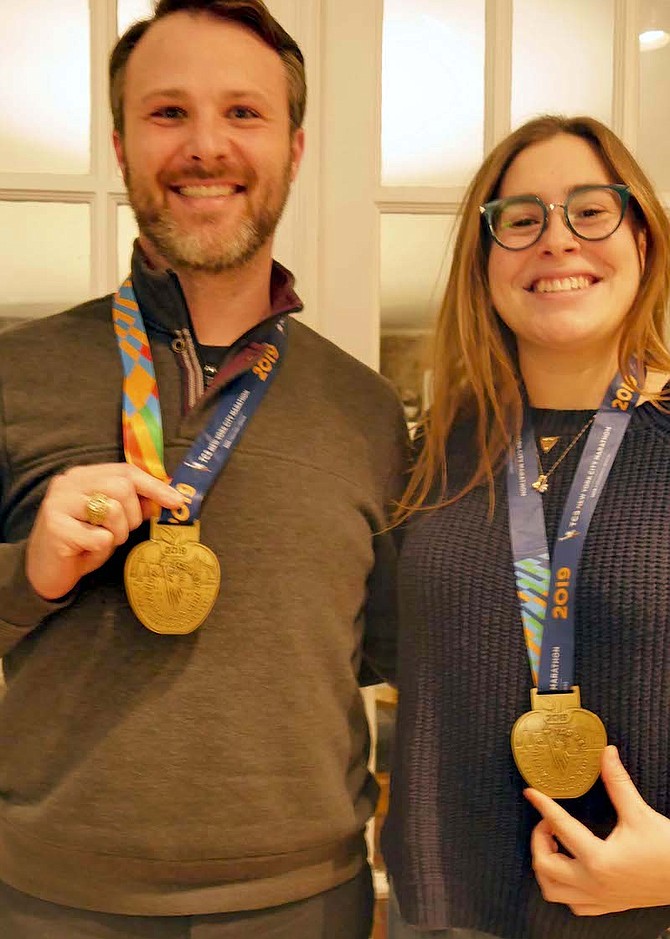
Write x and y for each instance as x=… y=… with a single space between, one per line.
x=141 y=418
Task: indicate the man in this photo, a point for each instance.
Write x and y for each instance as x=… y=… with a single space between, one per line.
x=183 y=746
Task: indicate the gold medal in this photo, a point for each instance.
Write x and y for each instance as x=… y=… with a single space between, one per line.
x=557 y=745
x=172 y=580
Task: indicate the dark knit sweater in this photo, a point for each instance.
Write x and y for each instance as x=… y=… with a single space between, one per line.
x=457 y=836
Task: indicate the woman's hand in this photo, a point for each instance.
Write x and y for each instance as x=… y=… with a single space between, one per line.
x=627 y=870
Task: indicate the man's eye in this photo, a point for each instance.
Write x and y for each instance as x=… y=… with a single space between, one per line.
x=242 y=113
x=169 y=112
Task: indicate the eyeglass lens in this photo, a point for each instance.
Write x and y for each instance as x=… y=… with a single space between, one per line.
x=593 y=213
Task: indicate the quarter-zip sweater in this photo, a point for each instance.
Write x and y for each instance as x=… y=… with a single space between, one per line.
x=226 y=769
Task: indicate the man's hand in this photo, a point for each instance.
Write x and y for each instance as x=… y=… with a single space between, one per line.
x=627 y=870
x=63 y=546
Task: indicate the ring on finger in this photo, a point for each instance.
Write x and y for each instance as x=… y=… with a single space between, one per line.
x=97 y=508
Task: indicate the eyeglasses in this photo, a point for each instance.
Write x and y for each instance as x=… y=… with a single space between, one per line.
x=590 y=212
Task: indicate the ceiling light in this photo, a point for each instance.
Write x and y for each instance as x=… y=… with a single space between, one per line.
x=654 y=24
x=653 y=39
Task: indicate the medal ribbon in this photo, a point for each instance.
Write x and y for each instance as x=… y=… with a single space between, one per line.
x=141 y=418
x=547 y=591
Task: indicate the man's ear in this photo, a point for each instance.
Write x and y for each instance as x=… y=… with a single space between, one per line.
x=297 y=150
x=119 y=151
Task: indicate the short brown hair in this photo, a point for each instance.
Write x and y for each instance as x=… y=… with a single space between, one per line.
x=475 y=367
x=250 y=13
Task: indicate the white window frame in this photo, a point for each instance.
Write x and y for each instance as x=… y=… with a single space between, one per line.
x=102 y=188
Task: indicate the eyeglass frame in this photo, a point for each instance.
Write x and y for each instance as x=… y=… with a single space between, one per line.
x=487 y=210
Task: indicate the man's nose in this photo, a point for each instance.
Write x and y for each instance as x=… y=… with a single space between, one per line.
x=209 y=139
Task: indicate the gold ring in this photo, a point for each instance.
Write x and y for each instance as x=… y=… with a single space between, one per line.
x=97 y=508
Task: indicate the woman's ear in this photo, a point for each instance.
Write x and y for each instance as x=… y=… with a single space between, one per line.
x=641 y=238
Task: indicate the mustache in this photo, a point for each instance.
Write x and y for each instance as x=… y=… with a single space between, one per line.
x=202 y=174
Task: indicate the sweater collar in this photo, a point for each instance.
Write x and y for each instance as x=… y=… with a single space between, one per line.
x=164 y=307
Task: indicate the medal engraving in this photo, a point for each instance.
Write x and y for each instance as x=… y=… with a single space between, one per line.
x=557 y=745
x=172 y=580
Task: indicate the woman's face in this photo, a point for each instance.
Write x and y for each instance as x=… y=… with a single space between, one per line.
x=564 y=293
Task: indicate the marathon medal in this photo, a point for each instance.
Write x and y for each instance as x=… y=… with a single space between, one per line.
x=557 y=745
x=172 y=581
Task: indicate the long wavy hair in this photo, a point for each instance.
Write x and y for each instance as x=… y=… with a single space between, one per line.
x=475 y=368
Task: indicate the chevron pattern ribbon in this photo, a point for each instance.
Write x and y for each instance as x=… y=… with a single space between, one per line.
x=532 y=584
x=141 y=419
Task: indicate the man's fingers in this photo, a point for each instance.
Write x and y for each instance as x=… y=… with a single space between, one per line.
x=118 y=518
x=122 y=481
x=125 y=486
x=77 y=537
x=154 y=489
x=86 y=513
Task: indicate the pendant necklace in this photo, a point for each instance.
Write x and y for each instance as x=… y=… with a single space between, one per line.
x=541 y=484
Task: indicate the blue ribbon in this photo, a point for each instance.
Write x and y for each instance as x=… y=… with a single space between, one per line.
x=547 y=592
x=213 y=447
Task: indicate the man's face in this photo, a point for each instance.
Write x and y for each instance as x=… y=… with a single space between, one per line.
x=207 y=154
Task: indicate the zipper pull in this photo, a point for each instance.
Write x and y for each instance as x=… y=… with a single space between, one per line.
x=209 y=372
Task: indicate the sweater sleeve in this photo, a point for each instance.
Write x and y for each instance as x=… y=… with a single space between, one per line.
x=381 y=626
x=21 y=609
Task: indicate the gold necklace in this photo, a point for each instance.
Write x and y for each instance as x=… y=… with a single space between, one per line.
x=548 y=443
x=541 y=484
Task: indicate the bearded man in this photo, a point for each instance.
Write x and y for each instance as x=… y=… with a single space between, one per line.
x=192 y=586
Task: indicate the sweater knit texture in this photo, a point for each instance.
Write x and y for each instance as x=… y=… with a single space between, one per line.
x=458 y=832
x=225 y=769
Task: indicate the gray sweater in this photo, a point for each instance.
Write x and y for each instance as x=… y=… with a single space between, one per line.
x=225 y=769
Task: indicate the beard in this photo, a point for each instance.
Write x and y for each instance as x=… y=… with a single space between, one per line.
x=199 y=244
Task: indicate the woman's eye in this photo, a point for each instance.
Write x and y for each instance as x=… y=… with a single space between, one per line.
x=523 y=222
x=517 y=222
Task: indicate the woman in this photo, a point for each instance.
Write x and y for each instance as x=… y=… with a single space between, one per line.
x=526 y=566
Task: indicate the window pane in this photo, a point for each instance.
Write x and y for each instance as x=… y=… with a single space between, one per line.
x=126 y=233
x=47 y=258
x=654 y=138
x=415 y=259
x=129 y=11
x=562 y=59
x=432 y=91
x=45 y=98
